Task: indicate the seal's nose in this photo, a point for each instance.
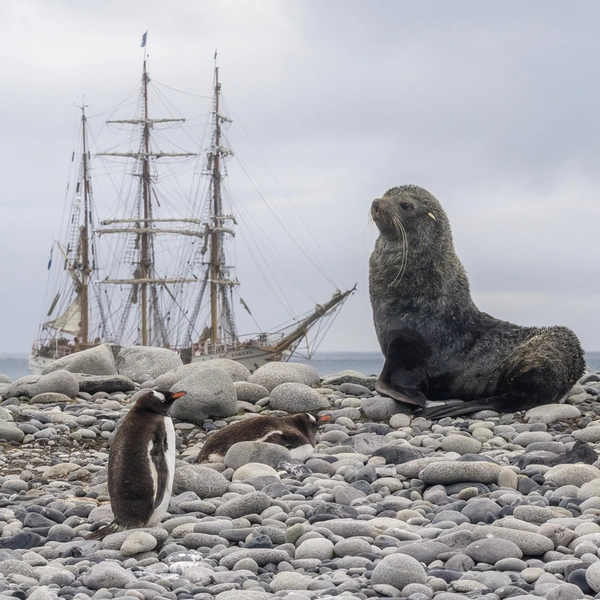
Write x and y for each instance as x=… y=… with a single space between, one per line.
x=375 y=206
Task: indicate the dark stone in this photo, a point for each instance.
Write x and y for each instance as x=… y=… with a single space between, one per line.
x=397 y=455
x=276 y=490
x=105 y=383
x=378 y=428
x=298 y=469
x=476 y=458
x=456 y=488
x=362 y=486
x=34 y=519
x=525 y=485
x=259 y=541
x=581 y=452
x=447 y=575
x=330 y=510
x=577 y=577
x=366 y=473
x=23 y=540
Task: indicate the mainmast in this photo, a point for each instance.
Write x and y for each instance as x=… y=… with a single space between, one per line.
x=143 y=226
x=145 y=259
x=85 y=238
x=215 y=246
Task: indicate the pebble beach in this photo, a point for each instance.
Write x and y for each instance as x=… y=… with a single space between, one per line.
x=389 y=505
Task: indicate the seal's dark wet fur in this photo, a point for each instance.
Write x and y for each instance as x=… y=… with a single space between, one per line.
x=437 y=344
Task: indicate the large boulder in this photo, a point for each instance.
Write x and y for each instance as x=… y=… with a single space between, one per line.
x=243 y=453
x=350 y=376
x=60 y=382
x=144 y=363
x=273 y=374
x=209 y=392
x=94 y=361
x=204 y=481
x=235 y=370
x=250 y=392
x=296 y=397
x=308 y=373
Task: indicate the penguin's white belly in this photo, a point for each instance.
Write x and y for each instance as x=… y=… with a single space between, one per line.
x=302 y=452
x=161 y=509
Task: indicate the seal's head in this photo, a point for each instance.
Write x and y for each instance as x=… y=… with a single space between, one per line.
x=404 y=209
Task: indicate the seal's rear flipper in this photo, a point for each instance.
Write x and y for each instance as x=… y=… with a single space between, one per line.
x=508 y=402
x=401 y=394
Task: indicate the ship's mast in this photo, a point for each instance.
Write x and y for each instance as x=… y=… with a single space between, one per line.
x=143 y=224
x=215 y=246
x=85 y=237
x=145 y=259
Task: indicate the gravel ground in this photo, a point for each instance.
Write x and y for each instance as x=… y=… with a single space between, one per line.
x=390 y=505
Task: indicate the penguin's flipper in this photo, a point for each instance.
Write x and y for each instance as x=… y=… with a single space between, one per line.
x=159 y=467
x=103 y=531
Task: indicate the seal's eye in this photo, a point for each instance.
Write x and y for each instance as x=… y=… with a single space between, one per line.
x=406 y=205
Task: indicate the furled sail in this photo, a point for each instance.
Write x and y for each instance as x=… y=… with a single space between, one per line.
x=69 y=321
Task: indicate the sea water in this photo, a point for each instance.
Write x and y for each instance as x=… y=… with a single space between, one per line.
x=369 y=363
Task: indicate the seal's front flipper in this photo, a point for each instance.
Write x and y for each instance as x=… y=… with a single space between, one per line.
x=401 y=394
x=404 y=377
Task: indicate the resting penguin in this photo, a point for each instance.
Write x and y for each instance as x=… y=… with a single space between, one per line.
x=141 y=464
x=437 y=344
x=296 y=432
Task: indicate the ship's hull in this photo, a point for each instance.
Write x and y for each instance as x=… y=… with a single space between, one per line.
x=38 y=363
x=252 y=357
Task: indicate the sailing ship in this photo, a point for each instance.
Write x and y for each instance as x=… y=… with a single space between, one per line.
x=167 y=280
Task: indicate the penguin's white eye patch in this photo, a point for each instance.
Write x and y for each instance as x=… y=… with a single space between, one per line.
x=312 y=418
x=159 y=396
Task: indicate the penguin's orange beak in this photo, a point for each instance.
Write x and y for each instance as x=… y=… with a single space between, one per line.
x=324 y=418
x=178 y=395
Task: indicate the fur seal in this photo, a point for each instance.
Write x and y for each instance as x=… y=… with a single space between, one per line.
x=437 y=344
x=295 y=432
x=141 y=464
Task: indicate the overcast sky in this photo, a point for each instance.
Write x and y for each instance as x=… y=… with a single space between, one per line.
x=491 y=106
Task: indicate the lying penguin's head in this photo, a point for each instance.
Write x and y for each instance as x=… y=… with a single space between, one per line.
x=158 y=400
x=310 y=422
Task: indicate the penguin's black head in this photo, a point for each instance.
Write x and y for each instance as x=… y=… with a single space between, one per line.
x=158 y=401
x=311 y=422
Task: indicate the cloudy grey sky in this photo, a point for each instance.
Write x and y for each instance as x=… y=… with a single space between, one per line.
x=491 y=106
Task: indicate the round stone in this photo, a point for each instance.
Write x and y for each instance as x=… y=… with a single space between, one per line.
x=492 y=550
x=398 y=570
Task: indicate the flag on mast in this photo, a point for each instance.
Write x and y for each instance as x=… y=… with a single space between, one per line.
x=50 y=260
x=143 y=44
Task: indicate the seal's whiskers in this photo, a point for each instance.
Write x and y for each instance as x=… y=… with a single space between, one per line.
x=404 y=260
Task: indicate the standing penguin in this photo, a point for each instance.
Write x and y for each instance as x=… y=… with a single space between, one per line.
x=295 y=432
x=141 y=464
